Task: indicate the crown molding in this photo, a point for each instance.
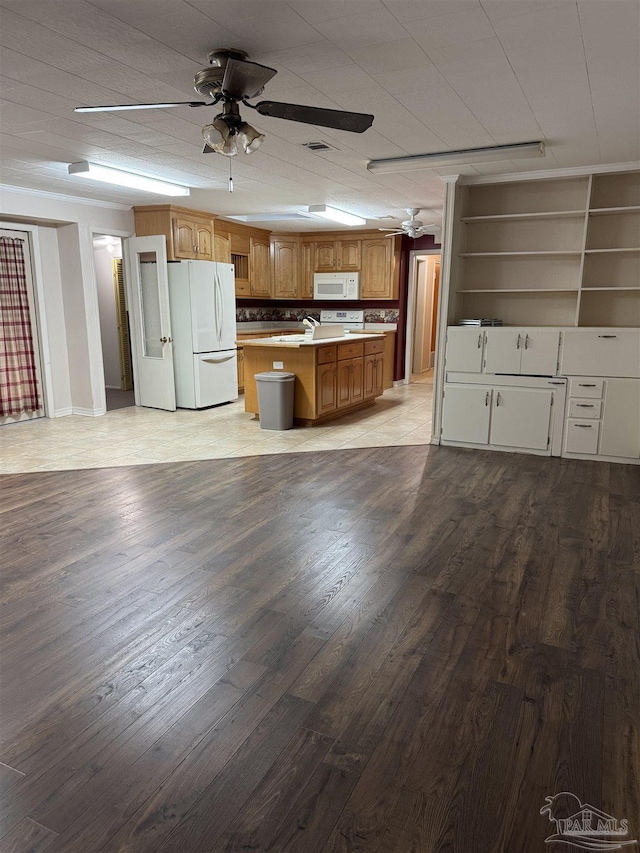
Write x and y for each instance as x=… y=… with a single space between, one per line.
x=541 y=174
x=113 y=205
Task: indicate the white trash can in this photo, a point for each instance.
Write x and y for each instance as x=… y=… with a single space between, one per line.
x=275 y=398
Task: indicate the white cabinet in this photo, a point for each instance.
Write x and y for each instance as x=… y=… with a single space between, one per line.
x=516 y=415
x=521 y=418
x=502 y=350
x=526 y=352
x=464 y=350
x=466 y=414
x=601 y=352
x=582 y=437
x=620 y=431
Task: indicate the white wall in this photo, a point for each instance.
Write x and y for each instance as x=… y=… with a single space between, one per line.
x=103 y=258
x=63 y=228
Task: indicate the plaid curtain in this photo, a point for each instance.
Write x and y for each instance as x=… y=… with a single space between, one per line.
x=18 y=382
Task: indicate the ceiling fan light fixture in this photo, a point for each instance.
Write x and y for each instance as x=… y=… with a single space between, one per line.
x=250 y=138
x=469 y=156
x=216 y=133
x=108 y=175
x=335 y=215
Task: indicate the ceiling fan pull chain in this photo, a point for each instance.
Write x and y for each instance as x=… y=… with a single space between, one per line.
x=230 y=177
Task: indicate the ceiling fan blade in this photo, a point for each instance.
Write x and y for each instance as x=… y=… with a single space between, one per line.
x=391 y=233
x=113 y=107
x=338 y=119
x=245 y=79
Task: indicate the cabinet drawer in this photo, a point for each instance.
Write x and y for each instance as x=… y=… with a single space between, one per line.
x=601 y=352
x=585 y=408
x=371 y=347
x=326 y=355
x=586 y=388
x=582 y=436
x=350 y=350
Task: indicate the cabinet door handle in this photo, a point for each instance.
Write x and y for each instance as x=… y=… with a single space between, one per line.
x=607 y=336
x=518 y=342
x=586 y=384
x=526 y=341
x=480 y=340
x=584 y=426
x=552 y=382
x=585 y=405
x=487 y=398
x=498 y=399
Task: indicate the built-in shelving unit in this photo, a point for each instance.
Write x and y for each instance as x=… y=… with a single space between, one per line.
x=562 y=251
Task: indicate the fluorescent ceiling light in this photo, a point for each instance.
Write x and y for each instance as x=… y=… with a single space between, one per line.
x=335 y=215
x=125 y=179
x=269 y=217
x=120 y=107
x=470 y=156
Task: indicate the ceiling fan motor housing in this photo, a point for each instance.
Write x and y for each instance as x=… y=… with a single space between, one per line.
x=208 y=82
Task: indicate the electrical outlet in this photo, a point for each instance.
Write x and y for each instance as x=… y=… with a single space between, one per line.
x=278 y=365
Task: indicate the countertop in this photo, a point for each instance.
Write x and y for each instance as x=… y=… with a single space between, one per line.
x=345 y=339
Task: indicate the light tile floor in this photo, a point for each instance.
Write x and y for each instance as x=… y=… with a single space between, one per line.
x=138 y=436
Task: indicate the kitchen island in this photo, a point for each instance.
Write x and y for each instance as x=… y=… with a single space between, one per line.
x=334 y=376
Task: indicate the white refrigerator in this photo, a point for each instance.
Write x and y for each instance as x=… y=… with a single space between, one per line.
x=203 y=324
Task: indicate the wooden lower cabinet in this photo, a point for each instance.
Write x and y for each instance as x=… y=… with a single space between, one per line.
x=373 y=375
x=240 y=368
x=326 y=388
x=350 y=382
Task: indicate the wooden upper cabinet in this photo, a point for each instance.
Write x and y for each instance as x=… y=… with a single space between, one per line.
x=337 y=255
x=285 y=268
x=260 y=268
x=348 y=255
x=189 y=233
x=379 y=271
x=221 y=248
x=192 y=239
x=325 y=255
x=307 y=255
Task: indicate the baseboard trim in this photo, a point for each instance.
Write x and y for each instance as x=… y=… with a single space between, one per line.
x=62 y=413
x=87 y=413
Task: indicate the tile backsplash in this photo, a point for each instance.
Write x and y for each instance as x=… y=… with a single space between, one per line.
x=272 y=314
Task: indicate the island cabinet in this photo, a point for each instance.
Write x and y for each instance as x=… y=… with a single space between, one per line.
x=330 y=377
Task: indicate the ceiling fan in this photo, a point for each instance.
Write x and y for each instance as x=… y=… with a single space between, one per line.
x=412 y=227
x=230 y=79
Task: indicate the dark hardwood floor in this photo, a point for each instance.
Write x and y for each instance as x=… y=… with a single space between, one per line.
x=388 y=649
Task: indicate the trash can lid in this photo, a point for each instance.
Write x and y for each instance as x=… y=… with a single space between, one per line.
x=275 y=376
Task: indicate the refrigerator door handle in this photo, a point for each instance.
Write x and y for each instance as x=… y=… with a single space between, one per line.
x=219 y=307
x=217 y=359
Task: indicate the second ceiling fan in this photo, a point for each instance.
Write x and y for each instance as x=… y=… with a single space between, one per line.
x=230 y=79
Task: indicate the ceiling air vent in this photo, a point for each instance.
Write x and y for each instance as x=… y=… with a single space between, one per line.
x=320 y=145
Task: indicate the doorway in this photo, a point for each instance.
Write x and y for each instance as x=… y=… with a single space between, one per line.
x=422 y=319
x=114 y=322
x=21 y=388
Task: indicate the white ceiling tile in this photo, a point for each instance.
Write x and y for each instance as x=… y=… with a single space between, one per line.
x=408 y=11
x=354 y=31
x=317 y=56
x=317 y=11
x=498 y=9
x=482 y=56
x=455 y=28
x=547 y=39
x=390 y=56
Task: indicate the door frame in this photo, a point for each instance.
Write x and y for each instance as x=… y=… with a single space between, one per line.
x=40 y=318
x=93 y=320
x=414 y=256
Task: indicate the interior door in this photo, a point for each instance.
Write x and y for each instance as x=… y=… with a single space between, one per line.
x=148 y=290
x=521 y=418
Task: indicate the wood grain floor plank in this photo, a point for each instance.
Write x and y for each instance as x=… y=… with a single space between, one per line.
x=405 y=649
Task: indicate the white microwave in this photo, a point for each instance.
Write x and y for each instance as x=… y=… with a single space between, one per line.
x=336 y=285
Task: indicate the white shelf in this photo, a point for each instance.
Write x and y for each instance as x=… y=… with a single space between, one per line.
x=628 y=250
x=589 y=289
x=612 y=211
x=551 y=214
x=526 y=290
x=524 y=254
